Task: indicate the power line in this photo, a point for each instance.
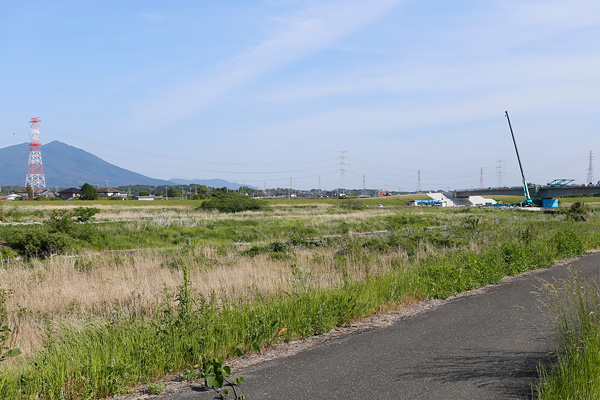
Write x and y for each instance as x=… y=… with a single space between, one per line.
x=177 y=158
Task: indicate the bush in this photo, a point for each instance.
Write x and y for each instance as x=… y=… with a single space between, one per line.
x=578 y=212
x=40 y=243
x=85 y=214
x=568 y=244
x=232 y=202
x=61 y=221
x=6 y=253
x=351 y=204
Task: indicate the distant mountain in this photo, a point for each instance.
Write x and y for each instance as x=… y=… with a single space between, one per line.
x=67 y=166
x=214 y=183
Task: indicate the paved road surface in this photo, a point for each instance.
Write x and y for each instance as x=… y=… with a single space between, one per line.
x=486 y=346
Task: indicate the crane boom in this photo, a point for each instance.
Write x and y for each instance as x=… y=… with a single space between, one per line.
x=525 y=188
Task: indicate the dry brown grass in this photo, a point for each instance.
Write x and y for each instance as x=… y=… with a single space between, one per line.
x=65 y=289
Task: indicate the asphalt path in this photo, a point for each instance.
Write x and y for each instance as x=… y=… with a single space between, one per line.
x=485 y=346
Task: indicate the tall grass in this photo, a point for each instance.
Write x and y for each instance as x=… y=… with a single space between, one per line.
x=575 y=308
x=98 y=357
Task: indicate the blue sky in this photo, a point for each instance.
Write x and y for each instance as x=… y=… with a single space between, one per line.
x=264 y=91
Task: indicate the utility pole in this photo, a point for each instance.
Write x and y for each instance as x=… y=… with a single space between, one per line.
x=364 y=188
x=499 y=171
x=342 y=170
x=590 y=174
x=320 y=192
x=481 y=177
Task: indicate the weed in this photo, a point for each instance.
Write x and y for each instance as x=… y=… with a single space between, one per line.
x=189 y=375
x=574 y=309
x=5 y=351
x=216 y=376
x=156 y=388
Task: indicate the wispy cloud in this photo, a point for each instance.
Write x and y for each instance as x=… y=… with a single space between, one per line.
x=296 y=37
x=557 y=13
x=406 y=80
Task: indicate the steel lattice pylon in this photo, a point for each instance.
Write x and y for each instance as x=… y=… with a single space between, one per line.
x=35 y=169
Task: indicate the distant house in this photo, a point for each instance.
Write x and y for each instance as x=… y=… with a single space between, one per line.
x=305 y=193
x=70 y=193
x=13 y=196
x=46 y=193
x=111 y=192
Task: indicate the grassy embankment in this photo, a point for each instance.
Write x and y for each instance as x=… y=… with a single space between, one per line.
x=200 y=284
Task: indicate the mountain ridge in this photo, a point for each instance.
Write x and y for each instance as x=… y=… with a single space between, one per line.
x=68 y=166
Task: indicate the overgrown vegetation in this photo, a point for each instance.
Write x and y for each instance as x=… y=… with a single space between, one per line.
x=578 y=212
x=259 y=278
x=57 y=237
x=574 y=307
x=232 y=203
x=5 y=350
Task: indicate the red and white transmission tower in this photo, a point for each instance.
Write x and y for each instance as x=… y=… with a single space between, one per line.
x=35 y=169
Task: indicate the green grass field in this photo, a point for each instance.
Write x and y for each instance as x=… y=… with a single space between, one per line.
x=214 y=282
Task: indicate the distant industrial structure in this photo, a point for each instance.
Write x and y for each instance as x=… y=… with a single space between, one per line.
x=590 y=172
x=35 y=178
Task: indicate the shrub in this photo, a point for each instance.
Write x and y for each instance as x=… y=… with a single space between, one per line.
x=568 y=244
x=578 y=212
x=232 y=202
x=61 y=221
x=40 y=243
x=276 y=250
x=85 y=214
x=6 y=253
x=350 y=204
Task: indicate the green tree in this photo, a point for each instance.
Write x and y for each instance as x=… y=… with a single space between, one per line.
x=173 y=193
x=203 y=189
x=88 y=192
